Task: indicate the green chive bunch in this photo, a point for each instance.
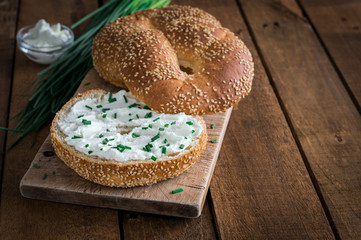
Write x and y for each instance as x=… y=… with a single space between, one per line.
x=58 y=82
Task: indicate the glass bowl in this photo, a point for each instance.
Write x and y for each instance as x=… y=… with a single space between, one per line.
x=42 y=55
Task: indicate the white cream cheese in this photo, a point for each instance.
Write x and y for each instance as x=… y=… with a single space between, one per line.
x=44 y=36
x=121 y=128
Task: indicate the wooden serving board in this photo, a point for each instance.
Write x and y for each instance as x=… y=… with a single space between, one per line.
x=54 y=181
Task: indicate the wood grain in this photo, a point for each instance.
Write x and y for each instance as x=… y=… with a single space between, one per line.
x=68 y=187
x=8 y=16
x=22 y=218
x=261 y=188
x=338 y=24
x=325 y=120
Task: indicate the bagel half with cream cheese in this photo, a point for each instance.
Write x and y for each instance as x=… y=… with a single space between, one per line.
x=144 y=52
x=116 y=140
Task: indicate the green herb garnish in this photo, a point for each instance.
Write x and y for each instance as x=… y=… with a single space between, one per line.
x=105 y=109
x=45 y=176
x=135 y=135
x=172 y=123
x=150 y=126
x=125 y=99
x=213 y=125
x=146 y=107
x=108 y=130
x=87 y=145
x=164 y=150
x=155 y=137
x=161 y=129
x=80 y=116
x=36 y=166
x=101 y=135
x=214 y=140
x=99 y=106
x=153 y=158
x=115 y=115
x=75 y=137
x=133 y=105
x=85 y=122
x=110 y=99
x=86 y=84
x=89 y=107
x=104 y=116
x=156 y=119
x=166 y=125
x=193 y=131
x=90 y=152
x=181 y=146
x=148 y=115
x=145 y=128
x=165 y=141
x=137 y=116
x=177 y=190
x=189 y=123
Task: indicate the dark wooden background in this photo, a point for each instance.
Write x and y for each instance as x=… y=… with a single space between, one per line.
x=290 y=165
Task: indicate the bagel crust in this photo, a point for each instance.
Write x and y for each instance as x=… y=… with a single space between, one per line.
x=115 y=174
x=144 y=51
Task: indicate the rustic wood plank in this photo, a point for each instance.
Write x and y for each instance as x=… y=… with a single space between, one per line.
x=23 y=218
x=338 y=24
x=67 y=186
x=8 y=13
x=324 y=119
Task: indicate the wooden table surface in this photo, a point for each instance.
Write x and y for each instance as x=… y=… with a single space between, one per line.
x=290 y=164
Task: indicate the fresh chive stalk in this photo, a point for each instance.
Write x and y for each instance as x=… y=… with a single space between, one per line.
x=58 y=82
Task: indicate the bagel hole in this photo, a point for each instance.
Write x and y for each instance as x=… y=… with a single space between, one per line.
x=186 y=66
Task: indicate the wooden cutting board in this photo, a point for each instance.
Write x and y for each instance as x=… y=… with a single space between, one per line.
x=54 y=181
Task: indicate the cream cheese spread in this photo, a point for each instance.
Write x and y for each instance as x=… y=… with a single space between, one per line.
x=44 y=36
x=120 y=127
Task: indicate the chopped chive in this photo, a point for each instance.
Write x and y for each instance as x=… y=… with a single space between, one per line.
x=99 y=106
x=213 y=125
x=129 y=114
x=177 y=190
x=135 y=135
x=36 y=166
x=148 y=115
x=86 y=84
x=89 y=107
x=133 y=105
x=193 y=131
x=101 y=135
x=104 y=116
x=101 y=149
x=172 y=123
x=145 y=128
x=126 y=147
x=185 y=138
x=105 y=109
x=168 y=145
x=87 y=145
x=146 y=107
x=150 y=145
x=108 y=130
x=166 y=125
x=112 y=139
x=161 y=129
x=90 y=152
x=137 y=116
x=110 y=99
x=150 y=126
x=85 y=122
x=45 y=176
x=153 y=158
x=214 y=140
x=155 y=137
x=109 y=145
x=81 y=116
x=164 y=150
x=181 y=146
x=115 y=115
x=165 y=141
x=75 y=137
x=130 y=119
x=156 y=119
x=53 y=172
x=125 y=99
x=189 y=123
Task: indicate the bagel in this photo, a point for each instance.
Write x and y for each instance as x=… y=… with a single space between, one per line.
x=115 y=140
x=175 y=59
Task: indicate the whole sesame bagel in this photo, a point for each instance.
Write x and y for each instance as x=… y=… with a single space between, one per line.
x=175 y=59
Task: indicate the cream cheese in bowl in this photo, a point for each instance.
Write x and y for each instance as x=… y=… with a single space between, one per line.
x=44 y=43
